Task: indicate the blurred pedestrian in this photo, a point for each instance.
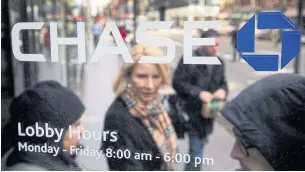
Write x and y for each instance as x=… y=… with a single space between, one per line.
x=198 y=86
x=71 y=27
x=72 y=32
x=123 y=32
x=46 y=42
x=234 y=42
x=138 y=116
x=45 y=104
x=276 y=37
x=96 y=31
x=268 y=119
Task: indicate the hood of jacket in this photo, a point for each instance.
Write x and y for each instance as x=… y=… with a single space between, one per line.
x=271 y=115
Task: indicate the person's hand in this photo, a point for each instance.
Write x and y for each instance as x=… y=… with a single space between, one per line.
x=205 y=97
x=206 y=110
x=219 y=94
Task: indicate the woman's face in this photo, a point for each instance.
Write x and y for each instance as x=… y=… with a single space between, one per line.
x=146 y=80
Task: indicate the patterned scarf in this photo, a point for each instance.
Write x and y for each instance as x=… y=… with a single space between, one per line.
x=157 y=122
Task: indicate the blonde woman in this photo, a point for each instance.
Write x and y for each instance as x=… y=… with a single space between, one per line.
x=138 y=116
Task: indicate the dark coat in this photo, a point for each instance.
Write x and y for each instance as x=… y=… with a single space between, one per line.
x=189 y=81
x=132 y=135
x=46 y=102
x=234 y=38
x=270 y=114
x=33 y=161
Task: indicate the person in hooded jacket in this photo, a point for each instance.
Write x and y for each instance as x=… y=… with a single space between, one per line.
x=268 y=121
x=46 y=103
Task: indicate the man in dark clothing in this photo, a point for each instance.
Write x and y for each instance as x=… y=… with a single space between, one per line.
x=96 y=31
x=45 y=124
x=268 y=119
x=197 y=86
x=234 y=42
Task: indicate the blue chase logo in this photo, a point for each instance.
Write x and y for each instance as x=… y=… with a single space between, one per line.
x=268 y=20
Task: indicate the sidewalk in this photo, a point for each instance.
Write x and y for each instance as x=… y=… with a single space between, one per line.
x=49 y=71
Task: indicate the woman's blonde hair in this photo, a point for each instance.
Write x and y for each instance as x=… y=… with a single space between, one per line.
x=137 y=52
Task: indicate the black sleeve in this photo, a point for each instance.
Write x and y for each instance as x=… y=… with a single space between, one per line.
x=233 y=36
x=182 y=81
x=7 y=138
x=113 y=123
x=221 y=73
